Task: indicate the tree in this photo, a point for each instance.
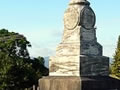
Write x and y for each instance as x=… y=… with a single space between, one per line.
x=38 y=65
x=17 y=69
x=115 y=68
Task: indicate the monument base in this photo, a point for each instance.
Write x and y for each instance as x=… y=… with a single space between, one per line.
x=79 y=83
x=79 y=66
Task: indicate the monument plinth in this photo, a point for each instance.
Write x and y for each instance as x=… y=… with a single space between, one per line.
x=79 y=63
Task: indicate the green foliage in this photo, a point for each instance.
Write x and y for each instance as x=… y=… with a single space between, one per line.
x=17 y=70
x=13 y=44
x=115 y=67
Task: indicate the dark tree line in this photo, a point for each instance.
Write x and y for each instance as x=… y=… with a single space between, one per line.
x=115 y=67
x=17 y=69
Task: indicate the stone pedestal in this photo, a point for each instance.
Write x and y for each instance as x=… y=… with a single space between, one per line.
x=79 y=83
x=79 y=63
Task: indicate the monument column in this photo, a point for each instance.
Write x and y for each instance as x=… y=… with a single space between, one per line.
x=79 y=63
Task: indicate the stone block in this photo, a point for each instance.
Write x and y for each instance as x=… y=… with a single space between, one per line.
x=64 y=66
x=68 y=49
x=90 y=49
x=79 y=66
x=79 y=83
x=60 y=83
x=94 y=66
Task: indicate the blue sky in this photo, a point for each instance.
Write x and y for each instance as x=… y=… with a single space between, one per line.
x=41 y=21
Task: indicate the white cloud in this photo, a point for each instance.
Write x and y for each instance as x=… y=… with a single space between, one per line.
x=43 y=42
x=35 y=52
x=109 y=50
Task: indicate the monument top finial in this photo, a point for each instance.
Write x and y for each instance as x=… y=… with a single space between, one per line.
x=79 y=2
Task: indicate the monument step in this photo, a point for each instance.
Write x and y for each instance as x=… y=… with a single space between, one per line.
x=79 y=83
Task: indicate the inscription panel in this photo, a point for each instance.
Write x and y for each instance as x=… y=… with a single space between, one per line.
x=87 y=18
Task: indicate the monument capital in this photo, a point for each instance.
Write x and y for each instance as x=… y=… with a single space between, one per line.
x=79 y=2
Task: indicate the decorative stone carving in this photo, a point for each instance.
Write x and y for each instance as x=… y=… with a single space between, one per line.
x=71 y=18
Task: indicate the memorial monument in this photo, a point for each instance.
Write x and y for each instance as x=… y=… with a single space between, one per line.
x=79 y=63
x=79 y=53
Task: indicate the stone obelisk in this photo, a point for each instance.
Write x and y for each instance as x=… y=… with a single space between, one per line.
x=79 y=53
x=79 y=63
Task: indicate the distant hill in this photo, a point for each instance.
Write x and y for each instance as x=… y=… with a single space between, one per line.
x=46 y=61
x=111 y=60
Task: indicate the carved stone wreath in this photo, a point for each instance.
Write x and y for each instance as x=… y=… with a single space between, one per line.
x=71 y=18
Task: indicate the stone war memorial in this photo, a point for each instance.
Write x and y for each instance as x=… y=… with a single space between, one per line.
x=79 y=63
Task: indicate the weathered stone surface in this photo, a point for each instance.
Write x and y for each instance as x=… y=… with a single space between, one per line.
x=88 y=35
x=71 y=18
x=64 y=66
x=60 y=83
x=71 y=36
x=94 y=66
x=91 y=49
x=68 y=49
x=79 y=39
x=79 y=2
x=79 y=66
x=79 y=83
